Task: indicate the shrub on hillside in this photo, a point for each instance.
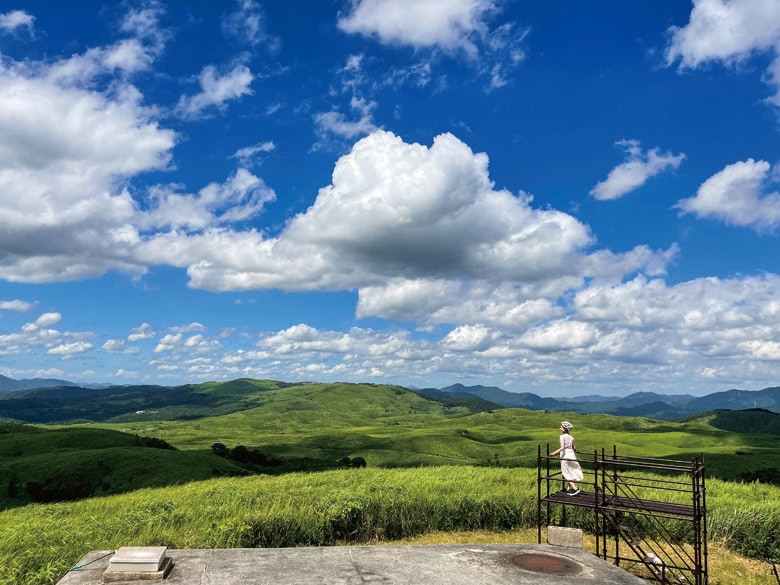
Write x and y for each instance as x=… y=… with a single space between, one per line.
x=352 y=462
x=220 y=450
x=241 y=454
x=59 y=489
x=766 y=475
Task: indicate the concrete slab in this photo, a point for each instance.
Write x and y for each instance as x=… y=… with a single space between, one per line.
x=562 y=536
x=498 y=564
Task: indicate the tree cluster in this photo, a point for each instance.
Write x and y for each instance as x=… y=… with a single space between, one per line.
x=241 y=454
x=354 y=462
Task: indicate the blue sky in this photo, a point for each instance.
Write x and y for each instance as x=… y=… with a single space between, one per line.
x=559 y=200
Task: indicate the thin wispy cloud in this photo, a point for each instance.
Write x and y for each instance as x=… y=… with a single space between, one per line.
x=16 y=305
x=248 y=154
x=216 y=90
x=16 y=19
x=635 y=171
x=248 y=25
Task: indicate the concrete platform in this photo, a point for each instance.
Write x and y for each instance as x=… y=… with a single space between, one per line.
x=498 y=564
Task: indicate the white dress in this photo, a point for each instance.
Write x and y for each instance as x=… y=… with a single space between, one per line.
x=569 y=467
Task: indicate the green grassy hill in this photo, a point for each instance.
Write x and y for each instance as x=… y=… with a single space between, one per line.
x=390 y=426
x=64 y=464
x=753 y=420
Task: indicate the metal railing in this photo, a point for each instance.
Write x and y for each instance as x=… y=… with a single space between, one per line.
x=619 y=495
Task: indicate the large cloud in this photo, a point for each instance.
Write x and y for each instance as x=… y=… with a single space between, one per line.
x=64 y=155
x=68 y=150
x=643 y=332
x=640 y=333
x=396 y=210
x=392 y=211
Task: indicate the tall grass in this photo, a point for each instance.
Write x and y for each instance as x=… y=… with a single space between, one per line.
x=38 y=543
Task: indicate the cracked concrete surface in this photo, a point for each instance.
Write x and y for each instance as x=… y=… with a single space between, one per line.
x=373 y=565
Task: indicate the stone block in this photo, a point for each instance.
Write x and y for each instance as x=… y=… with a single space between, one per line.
x=560 y=536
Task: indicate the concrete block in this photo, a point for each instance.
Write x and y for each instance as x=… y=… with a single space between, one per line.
x=560 y=536
x=110 y=576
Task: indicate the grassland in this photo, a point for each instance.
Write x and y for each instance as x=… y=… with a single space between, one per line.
x=39 y=542
x=432 y=467
x=392 y=427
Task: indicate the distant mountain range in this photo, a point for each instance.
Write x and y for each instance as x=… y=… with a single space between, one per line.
x=647 y=404
x=52 y=399
x=10 y=385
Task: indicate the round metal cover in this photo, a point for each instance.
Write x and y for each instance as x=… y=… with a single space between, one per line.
x=547 y=564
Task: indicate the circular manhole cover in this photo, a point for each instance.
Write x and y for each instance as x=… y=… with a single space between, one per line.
x=547 y=564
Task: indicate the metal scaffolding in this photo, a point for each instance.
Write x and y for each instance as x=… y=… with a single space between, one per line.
x=635 y=510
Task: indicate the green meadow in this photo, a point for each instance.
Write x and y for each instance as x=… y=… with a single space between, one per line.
x=393 y=427
x=38 y=543
x=153 y=479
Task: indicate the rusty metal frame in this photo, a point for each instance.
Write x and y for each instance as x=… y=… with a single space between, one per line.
x=613 y=497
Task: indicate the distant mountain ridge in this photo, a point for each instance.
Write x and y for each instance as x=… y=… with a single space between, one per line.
x=10 y=385
x=647 y=404
x=47 y=400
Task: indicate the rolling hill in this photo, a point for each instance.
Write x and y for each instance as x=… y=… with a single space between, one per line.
x=311 y=426
x=752 y=420
x=44 y=465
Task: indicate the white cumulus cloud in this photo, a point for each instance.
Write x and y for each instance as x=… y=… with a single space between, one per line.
x=395 y=210
x=69 y=349
x=30 y=335
x=189 y=328
x=729 y=31
x=454 y=27
x=448 y=24
x=48 y=319
x=143 y=331
x=738 y=195
x=16 y=305
x=469 y=338
x=65 y=152
x=241 y=197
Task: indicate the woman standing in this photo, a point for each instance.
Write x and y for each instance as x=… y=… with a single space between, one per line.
x=571 y=470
